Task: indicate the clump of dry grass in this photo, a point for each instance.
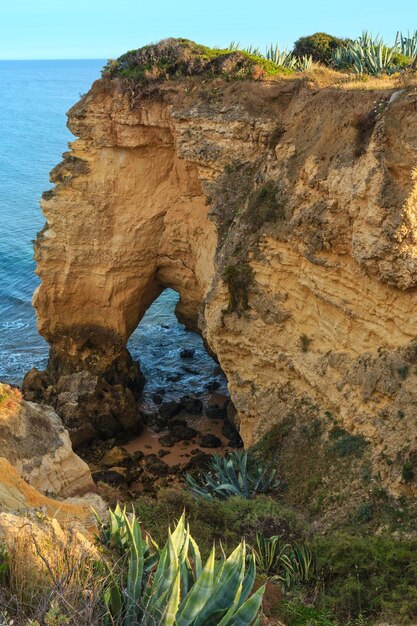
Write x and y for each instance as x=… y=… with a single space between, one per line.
x=325 y=77
x=53 y=577
x=10 y=398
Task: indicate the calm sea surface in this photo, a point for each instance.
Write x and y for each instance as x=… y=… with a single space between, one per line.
x=34 y=96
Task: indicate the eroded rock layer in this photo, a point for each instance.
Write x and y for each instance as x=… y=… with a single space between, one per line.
x=34 y=441
x=285 y=217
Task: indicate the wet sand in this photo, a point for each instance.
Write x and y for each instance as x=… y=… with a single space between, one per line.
x=179 y=453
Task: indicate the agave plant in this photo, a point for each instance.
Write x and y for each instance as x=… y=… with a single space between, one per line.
x=114 y=534
x=278 y=56
x=407 y=44
x=286 y=563
x=304 y=63
x=374 y=59
x=253 y=50
x=269 y=552
x=281 y=57
x=371 y=55
x=298 y=565
x=178 y=590
x=238 y=474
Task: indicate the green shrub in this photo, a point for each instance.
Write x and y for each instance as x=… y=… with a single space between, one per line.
x=238 y=277
x=236 y=474
x=403 y=371
x=401 y=61
x=220 y=520
x=365 y=512
x=283 y=58
x=266 y=205
x=297 y=613
x=178 y=58
x=305 y=343
x=372 y=576
x=319 y=46
x=347 y=444
x=407 y=473
x=176 y=589
x=407 y=44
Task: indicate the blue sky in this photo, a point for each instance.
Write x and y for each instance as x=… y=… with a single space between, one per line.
x=70 y=29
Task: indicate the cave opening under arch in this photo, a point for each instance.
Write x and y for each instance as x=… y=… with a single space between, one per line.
x=185 y=388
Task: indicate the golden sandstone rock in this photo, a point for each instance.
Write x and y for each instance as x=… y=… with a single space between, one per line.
x=286 y=224
x=17 y=496
x=34 y=441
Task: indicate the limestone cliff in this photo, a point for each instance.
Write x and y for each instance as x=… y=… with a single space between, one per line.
x=284 y=214
x=34 y=441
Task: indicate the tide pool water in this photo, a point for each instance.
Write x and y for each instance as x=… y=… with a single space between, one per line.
x=34 y=96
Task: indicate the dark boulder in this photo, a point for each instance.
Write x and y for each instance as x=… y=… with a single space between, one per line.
x=182 y=433
x=187 y=353
x=169 y=409
x=115 y=476
x=230 y=432
x=216 y=412
x=210 y=441
x=212 y=385
x=155 y=466
x=191 y=405
x=198 y=462
x=167 y=441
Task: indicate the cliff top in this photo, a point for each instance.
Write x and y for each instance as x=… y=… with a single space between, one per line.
x=366 y=63
x=178 y=58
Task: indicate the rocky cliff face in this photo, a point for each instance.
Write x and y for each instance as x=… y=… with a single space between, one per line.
x=34 y=441
x=285 y=217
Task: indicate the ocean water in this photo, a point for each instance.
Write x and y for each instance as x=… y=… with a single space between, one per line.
x=34 y=96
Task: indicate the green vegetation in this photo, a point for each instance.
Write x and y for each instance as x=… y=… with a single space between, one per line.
x=338 y=577
x=236 y=474
x=179 y=58
x=269 y=553
x=288 y=564
x=220 y=520
x=173 y=59
x=347 y=444
x=368 y=576
x=4 y=564
x=170 y=586
x=238 y=277
x=280 y=57
x=336 y=580
x=369 y=55
x=403 y=371
x=319 y=46
x=305 y=343
x=407 y=473
x=266 y=204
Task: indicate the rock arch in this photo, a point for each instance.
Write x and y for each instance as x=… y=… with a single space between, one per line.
x=127 y=218
x=324 y=238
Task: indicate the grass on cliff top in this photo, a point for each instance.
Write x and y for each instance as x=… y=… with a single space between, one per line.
x=179 y=58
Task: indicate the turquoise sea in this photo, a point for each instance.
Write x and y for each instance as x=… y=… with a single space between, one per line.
x=34 y=96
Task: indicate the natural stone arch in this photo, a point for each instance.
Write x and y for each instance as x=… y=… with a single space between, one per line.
x=126 y=219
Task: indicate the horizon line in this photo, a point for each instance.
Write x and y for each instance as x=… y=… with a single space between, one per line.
x=59 y=59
